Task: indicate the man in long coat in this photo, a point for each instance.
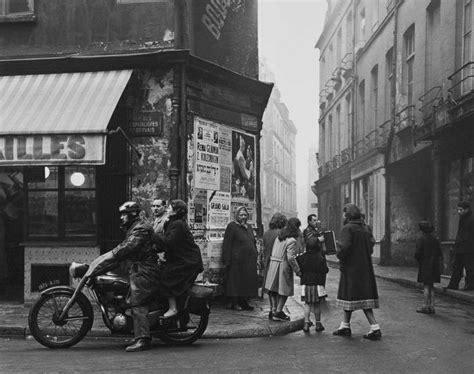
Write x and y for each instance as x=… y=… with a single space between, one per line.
x=464 y=249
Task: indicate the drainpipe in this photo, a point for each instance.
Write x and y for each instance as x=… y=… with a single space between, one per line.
x=385 y=247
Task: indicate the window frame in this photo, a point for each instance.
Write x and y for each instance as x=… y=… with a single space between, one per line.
x=61 y=191
x=409 y=52
x=6 y=16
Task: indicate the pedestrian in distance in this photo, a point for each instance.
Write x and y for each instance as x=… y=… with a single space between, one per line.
x=428 y=256
x=277 y=222
x=279 y=280
x=357 y=286
x=313 y=270
x=463 y=249
x=239 y=254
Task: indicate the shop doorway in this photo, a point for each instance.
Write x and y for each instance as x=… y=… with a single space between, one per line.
x=11 y=234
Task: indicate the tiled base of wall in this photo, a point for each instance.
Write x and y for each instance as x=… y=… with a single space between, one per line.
x=57 y=255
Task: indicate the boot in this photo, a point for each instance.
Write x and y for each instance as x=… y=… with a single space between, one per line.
x=141 y=344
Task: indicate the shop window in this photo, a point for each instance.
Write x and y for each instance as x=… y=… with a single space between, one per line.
x=16 y=10
x=61 y=202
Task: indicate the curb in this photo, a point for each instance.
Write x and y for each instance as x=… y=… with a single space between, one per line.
x=440 y=290
x=280 y=328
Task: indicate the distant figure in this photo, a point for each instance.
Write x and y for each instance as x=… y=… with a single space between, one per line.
x=464 y=249
x=239 y=254
x=199 y=134
x=428 y=255
x=357 y=286
x=313 y=269
x=277 y=222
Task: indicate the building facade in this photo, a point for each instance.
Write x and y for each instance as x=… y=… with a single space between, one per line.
x=394 y=99
x=104 y=102
x=278 y=156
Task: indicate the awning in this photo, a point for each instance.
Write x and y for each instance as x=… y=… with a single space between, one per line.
x=57 y=118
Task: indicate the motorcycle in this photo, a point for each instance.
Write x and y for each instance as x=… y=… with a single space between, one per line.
x=63 y=315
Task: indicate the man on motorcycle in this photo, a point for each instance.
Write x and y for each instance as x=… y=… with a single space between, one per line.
x=137 y=252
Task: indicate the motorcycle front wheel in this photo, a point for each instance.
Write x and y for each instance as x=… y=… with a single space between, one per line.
x=49 y=330
x=190 y=327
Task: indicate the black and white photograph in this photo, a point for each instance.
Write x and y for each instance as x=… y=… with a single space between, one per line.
x=256 y=186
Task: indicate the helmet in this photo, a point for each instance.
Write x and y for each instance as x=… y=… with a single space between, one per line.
x=129 y=207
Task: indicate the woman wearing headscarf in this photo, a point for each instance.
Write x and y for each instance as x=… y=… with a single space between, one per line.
x=239 y=254
x=357 y=286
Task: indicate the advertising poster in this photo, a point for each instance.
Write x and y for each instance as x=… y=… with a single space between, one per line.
x=243 y=158
x=207 y=167
x=218 y=211
x=197 y=213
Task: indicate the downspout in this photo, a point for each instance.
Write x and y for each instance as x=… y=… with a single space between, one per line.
x=385 y=247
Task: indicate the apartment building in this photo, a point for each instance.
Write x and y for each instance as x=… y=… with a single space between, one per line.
x=278 y=156
x=395 y=102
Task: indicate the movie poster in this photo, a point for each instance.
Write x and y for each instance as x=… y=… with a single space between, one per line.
x=244 y=167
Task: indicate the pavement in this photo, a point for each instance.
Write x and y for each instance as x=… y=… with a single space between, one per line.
x=225 y=323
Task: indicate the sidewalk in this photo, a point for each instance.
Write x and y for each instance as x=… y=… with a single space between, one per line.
x=406 y=275
x=225 y=323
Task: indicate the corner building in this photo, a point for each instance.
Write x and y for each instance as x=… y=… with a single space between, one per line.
x=104 y=102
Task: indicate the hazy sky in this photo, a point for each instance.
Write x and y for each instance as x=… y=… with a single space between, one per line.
x=288 y=31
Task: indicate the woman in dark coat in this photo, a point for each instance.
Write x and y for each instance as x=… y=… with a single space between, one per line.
x=239 y=254
x=428 y=255
x=183 y=256
x=277 y=222
x=357 y=286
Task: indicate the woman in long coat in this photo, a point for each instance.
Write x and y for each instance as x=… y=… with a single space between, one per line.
x=279 y=281
x=183 y=260
x=277 y=222
x=239 y=254
x=357 y=286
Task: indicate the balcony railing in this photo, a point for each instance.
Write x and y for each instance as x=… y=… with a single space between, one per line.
x=345 y=156
x=462 y=81
x=405 y=118
x=430 y=100
x=347 y=65
x=384 y=131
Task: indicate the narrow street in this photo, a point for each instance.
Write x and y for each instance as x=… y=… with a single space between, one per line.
x=412 y=343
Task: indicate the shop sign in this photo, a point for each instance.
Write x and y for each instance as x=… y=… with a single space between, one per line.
x=146 y=123
x=51 y=149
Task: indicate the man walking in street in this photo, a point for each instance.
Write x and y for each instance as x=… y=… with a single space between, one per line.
x=464 y=249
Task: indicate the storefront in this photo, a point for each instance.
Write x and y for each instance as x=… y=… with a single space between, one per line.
x=78 y=136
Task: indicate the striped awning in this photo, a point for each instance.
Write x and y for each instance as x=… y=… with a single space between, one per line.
x=60 y=103
x=42 y=114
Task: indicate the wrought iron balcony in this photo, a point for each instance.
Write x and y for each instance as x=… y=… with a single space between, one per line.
x=384 y=131
x=405 y=118
x=345 y=156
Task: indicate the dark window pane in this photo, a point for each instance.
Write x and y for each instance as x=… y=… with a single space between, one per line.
x=80 y=177
x=43 y=213
x=18 y=6
x=79 y=213
x=42 y=178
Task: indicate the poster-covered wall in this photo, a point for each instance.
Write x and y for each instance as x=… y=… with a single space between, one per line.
x=221 y=177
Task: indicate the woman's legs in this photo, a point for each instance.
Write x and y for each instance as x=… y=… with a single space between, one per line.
x=369 y=313
x=345 y=326
x=307 y=312
x=173 y=309
x=426 y=296
x=281 y=302
x=431 y=298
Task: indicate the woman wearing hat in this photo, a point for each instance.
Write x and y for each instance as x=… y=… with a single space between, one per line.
x=428 y=255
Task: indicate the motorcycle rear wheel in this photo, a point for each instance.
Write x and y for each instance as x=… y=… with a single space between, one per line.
x=187 y=333
x=46 y=327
